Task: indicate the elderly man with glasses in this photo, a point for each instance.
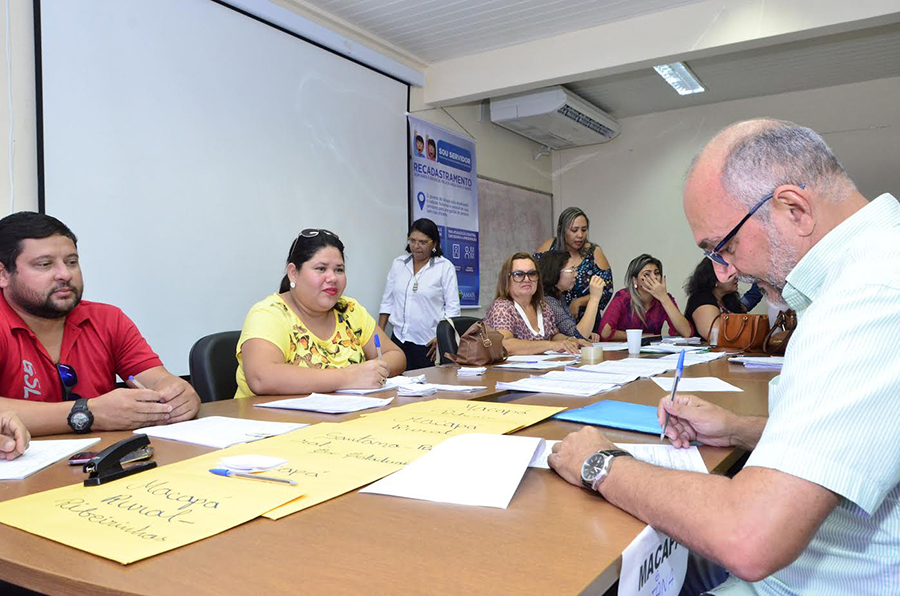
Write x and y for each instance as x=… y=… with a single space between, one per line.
x=816 y=508
x=61 y=355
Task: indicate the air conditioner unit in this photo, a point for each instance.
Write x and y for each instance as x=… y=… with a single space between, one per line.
x=554 y=117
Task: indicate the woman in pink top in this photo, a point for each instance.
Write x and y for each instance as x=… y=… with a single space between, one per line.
x=644 y=304
x=520 y=314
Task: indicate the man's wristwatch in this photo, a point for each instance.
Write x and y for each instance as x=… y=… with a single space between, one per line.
x=596 y=467
x=80 y=418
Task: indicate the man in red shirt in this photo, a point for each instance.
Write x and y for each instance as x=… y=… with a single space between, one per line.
x=59 y=355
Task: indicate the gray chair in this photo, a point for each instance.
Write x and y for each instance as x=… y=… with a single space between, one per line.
x=213 y=366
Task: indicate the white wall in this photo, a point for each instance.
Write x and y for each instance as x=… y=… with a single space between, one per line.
x=631 y=187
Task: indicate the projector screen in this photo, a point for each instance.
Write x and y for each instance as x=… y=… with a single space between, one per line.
x=187 y=144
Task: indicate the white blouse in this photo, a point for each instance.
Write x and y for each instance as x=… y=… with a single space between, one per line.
x=417 y=302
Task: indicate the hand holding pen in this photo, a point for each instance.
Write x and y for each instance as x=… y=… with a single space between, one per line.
x=678 y=372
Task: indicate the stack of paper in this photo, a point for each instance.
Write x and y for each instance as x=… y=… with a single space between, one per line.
x=691 y=358
x=688 y=384
x=761 y=362
x=612 y=346
x=682 y=341
x=391 y=383
x=541 y=385
x=218 y=431
x=668 y=348
x=535 y=364
x=642 y=367
x=471 y=371
x=41 y=454
x=573 y=373
x=416 y=390
x=328 y=404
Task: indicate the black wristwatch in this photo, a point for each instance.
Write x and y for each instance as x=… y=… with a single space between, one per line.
x=596 y=467
x=80 y=418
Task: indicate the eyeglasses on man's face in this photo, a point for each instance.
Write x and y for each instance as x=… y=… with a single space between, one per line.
x=713 y=255
x=519 y=276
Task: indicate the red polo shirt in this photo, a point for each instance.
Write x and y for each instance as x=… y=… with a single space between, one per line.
x=99 y=342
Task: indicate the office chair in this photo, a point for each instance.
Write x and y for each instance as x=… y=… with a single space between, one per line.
x=446 y=338
x=213 y=365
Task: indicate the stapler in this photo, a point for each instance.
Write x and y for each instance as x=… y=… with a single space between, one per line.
x=107 y=465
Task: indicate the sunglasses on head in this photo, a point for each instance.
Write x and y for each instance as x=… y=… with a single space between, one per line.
x=69 y=379
x=311 y=233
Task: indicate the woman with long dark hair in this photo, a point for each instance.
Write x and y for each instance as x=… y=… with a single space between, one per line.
x=708 y=297
x=421 y=289
x=309 y=336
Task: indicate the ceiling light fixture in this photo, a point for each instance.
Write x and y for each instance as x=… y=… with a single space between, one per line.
x=680 y=77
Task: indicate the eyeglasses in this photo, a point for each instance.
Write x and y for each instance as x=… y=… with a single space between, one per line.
x=422 y=243
x=313 y=232
x=69 y=380
x=519 y=276
x=713 y=255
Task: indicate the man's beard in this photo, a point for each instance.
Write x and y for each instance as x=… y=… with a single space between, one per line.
x=43 y=306
x=782 y=260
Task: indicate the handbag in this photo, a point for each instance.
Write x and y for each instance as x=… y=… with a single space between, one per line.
x=740 y=331
x=478 y=346
x=777 y=339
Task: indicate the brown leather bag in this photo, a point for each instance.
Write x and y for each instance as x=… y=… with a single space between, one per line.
x=741 y=331
x=478 y=346
x=777 y=339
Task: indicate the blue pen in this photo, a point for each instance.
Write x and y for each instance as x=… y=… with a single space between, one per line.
x=233 y=474
x=378 y=346
x=678 y=373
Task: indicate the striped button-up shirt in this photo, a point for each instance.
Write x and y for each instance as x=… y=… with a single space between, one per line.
x=834 y=412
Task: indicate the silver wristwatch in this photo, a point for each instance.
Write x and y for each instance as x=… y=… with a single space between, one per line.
x=596 y=467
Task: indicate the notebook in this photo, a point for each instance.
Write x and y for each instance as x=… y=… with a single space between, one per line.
x=616 y=414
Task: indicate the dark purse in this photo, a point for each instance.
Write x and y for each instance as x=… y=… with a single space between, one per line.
x=478 y=346
x=740 y=331
x=777 y=339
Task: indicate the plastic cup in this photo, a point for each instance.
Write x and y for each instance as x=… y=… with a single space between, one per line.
x=634 y=340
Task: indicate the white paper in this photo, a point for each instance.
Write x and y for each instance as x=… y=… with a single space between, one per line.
x=667 y=348
x=682 y=341
x=471 y=371
x=251 y=463
x=41 y=454
x=652 y=565
x=576 y=374
x=761 y=362
x=417 y=390
x=533 y=357
x=454 y=388
x=691 y=358
x=471 y=469
x=687 y=384
x=612 y=346
x=662 y=455
x=536 y=365
x=391 y=383
x=539 y=385
x=218 y=431
x=643 y=367
x=328 y=404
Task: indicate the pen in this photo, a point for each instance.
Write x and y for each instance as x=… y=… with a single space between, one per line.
x=135 y=382
x=378 y=346
x=232 y=473
x=678 y=373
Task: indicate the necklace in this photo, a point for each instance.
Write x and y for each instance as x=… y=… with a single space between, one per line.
x=416 y=277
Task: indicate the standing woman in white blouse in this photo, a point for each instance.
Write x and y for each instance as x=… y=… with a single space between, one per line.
x=421 y=290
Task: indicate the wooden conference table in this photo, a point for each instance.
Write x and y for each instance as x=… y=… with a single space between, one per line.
x=554 y=538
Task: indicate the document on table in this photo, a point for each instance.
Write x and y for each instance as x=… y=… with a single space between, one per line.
x=691 y=358
x=667 y=348
x=574 y=373
x=541 y=385
x=643 y=367
x=761 y=362
x=41 y=454
x=612 y=346
x=420 y=389
x=533 y=357
x=218 y=431
x=472 y=469
x=536 y=364
x=328 y=404
x=662 y=455
x=391 y=383
x=695 y=384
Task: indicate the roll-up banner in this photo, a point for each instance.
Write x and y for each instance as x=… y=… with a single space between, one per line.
x=444 y=188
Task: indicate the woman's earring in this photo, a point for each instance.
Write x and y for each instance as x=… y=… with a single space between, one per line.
x=433 y=249
x=293 y=285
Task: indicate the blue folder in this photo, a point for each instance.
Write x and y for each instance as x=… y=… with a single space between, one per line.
x=616 y=414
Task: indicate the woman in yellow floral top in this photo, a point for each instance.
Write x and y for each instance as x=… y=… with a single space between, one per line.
x=309 y=337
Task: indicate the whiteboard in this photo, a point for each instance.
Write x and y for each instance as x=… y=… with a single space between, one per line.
x=186 y=145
